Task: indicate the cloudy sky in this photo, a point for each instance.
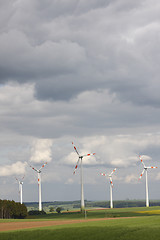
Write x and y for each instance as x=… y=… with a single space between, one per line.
x=81 y=71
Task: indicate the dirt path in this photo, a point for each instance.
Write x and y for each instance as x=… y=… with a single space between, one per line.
x=26 y=225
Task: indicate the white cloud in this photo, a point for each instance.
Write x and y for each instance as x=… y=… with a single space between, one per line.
x=17 y=168
x=145 y=157
x=69 y=181
x=41 y=150
x=158 y=177
x=131 y=179
x=115 y=150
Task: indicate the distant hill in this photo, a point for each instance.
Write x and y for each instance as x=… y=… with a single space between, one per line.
x=73 y=205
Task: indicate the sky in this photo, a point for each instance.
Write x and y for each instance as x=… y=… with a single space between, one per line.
x=81 y=71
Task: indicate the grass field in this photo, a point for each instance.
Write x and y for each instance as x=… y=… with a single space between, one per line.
x=109 y=213
x=104 y=213
x=146 y=226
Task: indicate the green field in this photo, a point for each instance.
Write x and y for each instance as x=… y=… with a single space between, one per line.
x=146 y=225
x=109 y=213
x=75 y=205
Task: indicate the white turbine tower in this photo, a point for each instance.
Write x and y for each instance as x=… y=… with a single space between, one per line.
x=20 y=183
x=80 y=157
x=111 y=185
x=39 y=184
x=145 y=170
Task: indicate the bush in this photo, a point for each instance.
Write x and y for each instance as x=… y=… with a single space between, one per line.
x=36 y=212
x=58 y=209
x=51 y=209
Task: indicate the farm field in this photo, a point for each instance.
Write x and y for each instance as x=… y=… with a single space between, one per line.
x=75 y=205
x=91 y=214
x=101 y=213
x=126 y=223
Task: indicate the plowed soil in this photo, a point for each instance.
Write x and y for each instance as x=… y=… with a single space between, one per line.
x=26 y=225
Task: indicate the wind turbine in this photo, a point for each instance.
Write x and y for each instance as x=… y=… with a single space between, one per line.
x=39 y=184
x=20 y=183
x=80 y=157
x=145 y=169
x=111 y=185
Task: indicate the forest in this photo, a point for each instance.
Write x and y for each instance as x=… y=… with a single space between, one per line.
x=12 y=209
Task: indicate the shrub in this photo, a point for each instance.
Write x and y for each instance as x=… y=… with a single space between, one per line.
x=36 y=212
x=58 y=209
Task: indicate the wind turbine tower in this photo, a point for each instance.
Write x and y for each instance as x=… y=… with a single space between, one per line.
x=20 y=183
x=39 y=184
x=111 y=185
x=80 y=158
x=145 y=169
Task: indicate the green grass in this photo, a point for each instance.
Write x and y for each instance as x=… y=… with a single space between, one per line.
x=109 y=213
x=145 y=228
x=115 y=212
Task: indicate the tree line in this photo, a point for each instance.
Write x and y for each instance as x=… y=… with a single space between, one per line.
x=118 y=204
x=11 y=209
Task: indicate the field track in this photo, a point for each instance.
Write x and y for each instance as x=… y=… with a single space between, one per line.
x=26 y=225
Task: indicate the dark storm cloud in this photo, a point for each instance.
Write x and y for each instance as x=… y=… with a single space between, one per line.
x=66 y=48
x=22 y=60
x=61 y=88
x=53 y=9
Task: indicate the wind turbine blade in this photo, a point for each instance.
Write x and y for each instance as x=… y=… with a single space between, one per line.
x=151 y=167
x=75 y=148
x=141 y=161
x=23 y=177
x=43 y=165
x=76 y=166
x=90 y=154
x=113 y=171
x=103 y=174
x=17 y=179
x=33 y=168
x=111 y=181
x=141 y=174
